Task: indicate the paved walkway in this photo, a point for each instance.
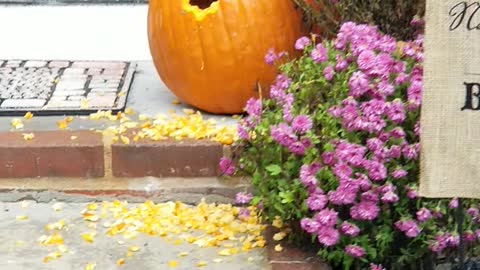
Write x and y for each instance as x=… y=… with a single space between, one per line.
x=24 y=226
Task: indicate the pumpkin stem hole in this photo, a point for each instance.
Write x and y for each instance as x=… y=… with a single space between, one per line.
x=203 y=4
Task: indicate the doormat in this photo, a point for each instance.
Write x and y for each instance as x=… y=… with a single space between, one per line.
x=63 y=87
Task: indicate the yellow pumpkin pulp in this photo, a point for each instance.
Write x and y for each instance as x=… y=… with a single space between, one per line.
x=198 y=12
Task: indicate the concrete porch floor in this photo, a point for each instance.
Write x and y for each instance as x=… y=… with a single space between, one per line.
x=148 y=95
x=21 y=250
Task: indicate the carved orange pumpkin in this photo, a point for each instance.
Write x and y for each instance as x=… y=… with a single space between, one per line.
x=210 y=54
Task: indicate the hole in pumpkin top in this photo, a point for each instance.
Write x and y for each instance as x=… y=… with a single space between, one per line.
x=203 y=4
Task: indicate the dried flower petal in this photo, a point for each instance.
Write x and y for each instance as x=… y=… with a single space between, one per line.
x=88 y=237
x=28 y=116
x=90 y=266
x=172 y=264
x=279 y=236
x=201 y=263
x=134 y=248
x=52 y=256
x=62 y=124
x=17 y=123
x=28 y=136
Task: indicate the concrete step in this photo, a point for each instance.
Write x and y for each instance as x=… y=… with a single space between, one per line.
x=187 y=190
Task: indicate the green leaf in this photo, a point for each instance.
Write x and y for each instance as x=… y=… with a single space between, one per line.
x=255 y=200
x=279 y=208
x=347 y=262
x=287 y=197
x=274 y=169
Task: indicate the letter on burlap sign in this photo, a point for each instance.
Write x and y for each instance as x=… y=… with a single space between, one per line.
x=450 y=121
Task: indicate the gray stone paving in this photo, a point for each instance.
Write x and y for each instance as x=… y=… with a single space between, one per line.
x=63 y=86
x=20 y=249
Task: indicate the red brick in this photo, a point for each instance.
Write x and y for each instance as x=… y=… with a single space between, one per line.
x=292 y=257
x=288 y=254
x=298 y=266
x=51 y=154
x=170 y=158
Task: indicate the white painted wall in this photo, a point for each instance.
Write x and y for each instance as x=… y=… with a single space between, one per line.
x=74 y=32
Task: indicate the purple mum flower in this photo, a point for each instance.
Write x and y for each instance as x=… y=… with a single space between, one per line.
x=226 y=166
x=416 y=129
x=424 y=215
x=390 y=197
x=309 y=225
x=319 y=54
x=283 y=135
x=283 y=81
x=328 y=73
x=328 y=236
x=243 y=198
x=376 y=170
x=326 y=217
x=328 y=158
x=410 y=151
x=474 y=212
x=366 y=60
x=343 y=196
x=409 y=227
x=469 y=237
x=242 y=132
x=395 y=112
x=341 y=64
x=254 y=107
x=365 y=210
x=349 y=229
x=358 y=84
x=411 y=193
x=342 y=170
x=453 y=203
x=374 y=144
x=397 y=133
x=453 y=240
x=354 y=251
x=316 y=202
x=297 y=148
x=401 y=79
x=301 y=124
x=385 y=88
x=398 y=174
x=302 y=43
x=270 y=57
x=307 y=174
x=243 y=213
x=376 y=267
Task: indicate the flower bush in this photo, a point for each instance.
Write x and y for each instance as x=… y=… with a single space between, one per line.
x=393 y=17
x=334 y=150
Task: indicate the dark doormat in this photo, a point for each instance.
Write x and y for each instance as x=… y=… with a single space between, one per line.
x=63 y=87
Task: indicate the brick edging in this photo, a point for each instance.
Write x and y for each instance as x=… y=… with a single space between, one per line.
x=87 y=154
x=51 y=154
x=291 y=257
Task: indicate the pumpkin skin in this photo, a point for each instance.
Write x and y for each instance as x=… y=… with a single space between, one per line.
x=216 y=63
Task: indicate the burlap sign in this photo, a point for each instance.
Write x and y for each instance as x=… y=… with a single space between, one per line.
x=450 y=121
